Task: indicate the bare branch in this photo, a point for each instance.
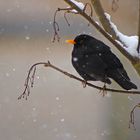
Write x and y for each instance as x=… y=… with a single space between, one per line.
x=138 y=48
x=55 y=27
x=132 y=116
x=29 y=82
x=65 y=16
x=91 y=10
x=115 y=5
x=67 y=10
x=31 y=75
x=104 y=21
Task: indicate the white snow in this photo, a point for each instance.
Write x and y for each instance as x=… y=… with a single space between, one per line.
x=34 y=109
x=57 y=98
x=7 y=74
x=78 y=4
x=75 y=59
x=37 y=77
x=97 y=22
x=74 y=11
x=130 y=98
x=34 y=120
x=47 y=30
x=47 y=48
x=27 y=37
x=62 y=120
x=129 y=43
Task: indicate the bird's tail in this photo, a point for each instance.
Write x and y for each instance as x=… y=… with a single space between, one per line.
x=122 y=79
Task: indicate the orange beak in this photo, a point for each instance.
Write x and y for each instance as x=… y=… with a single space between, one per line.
x=70 y=41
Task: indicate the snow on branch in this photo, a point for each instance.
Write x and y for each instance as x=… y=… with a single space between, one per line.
x=78 y=4
x=129 y=43
x=103 y=32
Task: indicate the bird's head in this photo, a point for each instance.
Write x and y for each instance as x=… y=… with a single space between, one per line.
x=80 y=40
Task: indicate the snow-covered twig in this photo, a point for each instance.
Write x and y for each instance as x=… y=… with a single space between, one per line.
x=103 y=32
x=78 y=4
x=129 y=43
x=102 y=18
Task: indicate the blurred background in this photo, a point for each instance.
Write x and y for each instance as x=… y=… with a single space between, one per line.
x=59 y=108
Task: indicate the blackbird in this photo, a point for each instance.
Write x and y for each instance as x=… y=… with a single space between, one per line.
x=94 y=61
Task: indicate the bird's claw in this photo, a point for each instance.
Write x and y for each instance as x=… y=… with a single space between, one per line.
x=84 y=83
x=103 y=91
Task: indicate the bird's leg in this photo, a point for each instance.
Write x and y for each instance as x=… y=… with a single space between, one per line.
x=84 y=83
x=103 y=90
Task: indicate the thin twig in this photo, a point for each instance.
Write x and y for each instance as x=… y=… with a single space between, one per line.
x=104 y=20
x=29 y=82
x=55 y=27
x=91 y=10
x=115 y=5
x=132 y=117
x=65 y=16
x=32 y=70
x=67 y=11
x=138 y=48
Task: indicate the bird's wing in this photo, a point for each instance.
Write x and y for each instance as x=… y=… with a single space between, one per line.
x=91 y=64
x=106 y=55
x=114 y=64
x=110 y=59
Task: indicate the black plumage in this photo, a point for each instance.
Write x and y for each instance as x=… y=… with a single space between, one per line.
x=94 y=61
